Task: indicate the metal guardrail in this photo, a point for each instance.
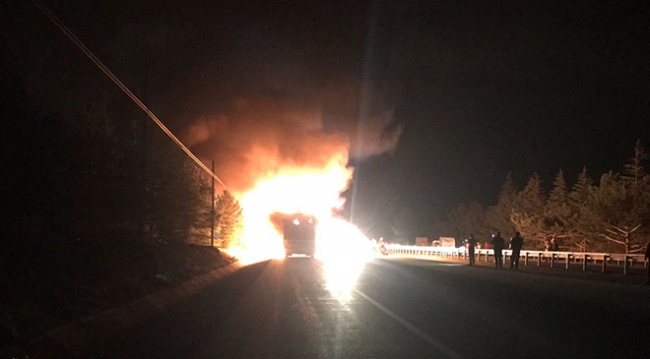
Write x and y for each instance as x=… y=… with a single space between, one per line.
x=553 y=258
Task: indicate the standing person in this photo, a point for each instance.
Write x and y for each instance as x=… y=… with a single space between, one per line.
x=516 y=243
x=498 y=243
x=471 y=245
x=647 y=258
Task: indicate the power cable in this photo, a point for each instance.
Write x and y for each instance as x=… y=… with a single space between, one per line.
x=123 y=87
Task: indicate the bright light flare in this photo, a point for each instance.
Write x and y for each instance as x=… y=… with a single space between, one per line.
x=341 y=247
x=344 y=251
x=293 y=189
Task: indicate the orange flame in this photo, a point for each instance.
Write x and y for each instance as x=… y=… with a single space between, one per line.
x=341 y=246
x=293 y=189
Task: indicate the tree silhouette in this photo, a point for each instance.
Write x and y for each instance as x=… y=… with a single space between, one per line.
x=228 y=221
x=465 y=220
x=528 y=210
x=634 y=171
x=557 y=213
x=618 y=211
x=577 y=199
x=498 y=217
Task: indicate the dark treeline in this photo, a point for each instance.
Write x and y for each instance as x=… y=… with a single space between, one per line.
x=85 y=220
x=98 y=173
x=611 y=214
x=97 y=206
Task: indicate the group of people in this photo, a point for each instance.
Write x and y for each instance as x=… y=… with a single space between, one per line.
x=516 y=243
x=498 y=245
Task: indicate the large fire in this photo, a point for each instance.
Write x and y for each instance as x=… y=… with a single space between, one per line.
x=277 y=156
x=340 y=246
x=299 y=189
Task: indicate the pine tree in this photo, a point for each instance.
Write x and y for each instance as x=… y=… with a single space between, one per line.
x=229 y=220
x=578 y=197
x=580 y=190
x=634 y=170
x=557 y=207
x=508 y=190
x=557 y=223
x=618 y=211
x=559 y=194
x=528 y=210
x=498 y=216
x=465 y=220
x=532 y=197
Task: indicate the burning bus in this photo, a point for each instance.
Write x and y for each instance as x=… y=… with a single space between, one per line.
x=299 y=234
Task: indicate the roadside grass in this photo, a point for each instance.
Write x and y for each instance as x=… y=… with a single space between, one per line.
x=50 y=287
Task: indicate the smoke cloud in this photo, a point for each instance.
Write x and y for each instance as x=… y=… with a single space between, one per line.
x=260 y=134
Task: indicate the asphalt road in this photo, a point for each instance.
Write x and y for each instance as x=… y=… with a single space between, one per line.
x=395 y=308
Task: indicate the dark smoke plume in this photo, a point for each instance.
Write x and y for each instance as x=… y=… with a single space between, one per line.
x=260 y=134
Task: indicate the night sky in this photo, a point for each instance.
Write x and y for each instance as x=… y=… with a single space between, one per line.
x=479 y=88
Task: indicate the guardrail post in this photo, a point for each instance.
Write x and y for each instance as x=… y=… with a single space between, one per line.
x=567 y=260
x=604 y=262
x=625 y=264
x=584 y=262
x=539 y=259
x=526 y=259
x=552 y=259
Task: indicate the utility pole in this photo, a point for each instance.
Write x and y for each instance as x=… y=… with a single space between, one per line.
x=212 y=216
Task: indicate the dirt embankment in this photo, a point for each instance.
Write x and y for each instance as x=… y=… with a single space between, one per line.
x=42 y=290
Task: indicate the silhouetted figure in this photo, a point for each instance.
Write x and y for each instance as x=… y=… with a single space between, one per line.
x=471 y=245
x=516 y=243
x=647 y=258
x=498 y=244
x=382 y=246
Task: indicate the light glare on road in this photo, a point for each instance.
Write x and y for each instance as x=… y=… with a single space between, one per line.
x=344 y=251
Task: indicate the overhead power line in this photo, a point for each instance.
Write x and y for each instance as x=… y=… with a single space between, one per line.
x=123 y=87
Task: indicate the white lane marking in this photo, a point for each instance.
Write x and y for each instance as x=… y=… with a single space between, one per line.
x=406 y=324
